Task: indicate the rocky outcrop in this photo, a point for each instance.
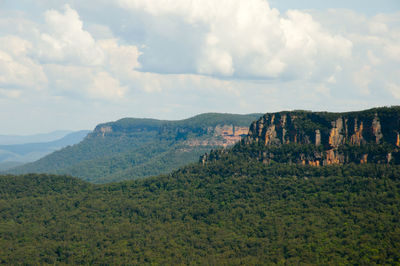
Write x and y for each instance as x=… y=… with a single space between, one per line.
x=104 y=130
x=221 y=135
x=335 y=134
x=364 y=158
x=357 y=137
x=317 y=137
x=377 y=129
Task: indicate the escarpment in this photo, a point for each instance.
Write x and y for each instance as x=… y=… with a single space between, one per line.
x=322 y=138
x=131 y=148
x=220 y=135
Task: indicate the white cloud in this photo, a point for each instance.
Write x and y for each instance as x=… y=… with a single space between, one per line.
x=362 y=79
x=11 y=94
x=67 y=59
x=249 y=39
x=394 y=89
x=377 y=27
x=99 y=31
x=122 y=59
x=375 y=57
x=15 y=45
x=173 y=59
x=216 y=61
x=66 y=41
x=392 y=51
x=16 y=67
x=82 y=82
x=104 y=86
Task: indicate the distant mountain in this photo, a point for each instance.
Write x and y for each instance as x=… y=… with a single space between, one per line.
x=131 y=148
x=12 y=155
x=44 y=137
x=8 y=165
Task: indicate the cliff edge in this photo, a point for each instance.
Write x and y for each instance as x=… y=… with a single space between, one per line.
x=323 y=138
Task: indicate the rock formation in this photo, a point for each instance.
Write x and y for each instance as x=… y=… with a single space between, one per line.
x=104 y=130
x=221 y=135
x=337 y=138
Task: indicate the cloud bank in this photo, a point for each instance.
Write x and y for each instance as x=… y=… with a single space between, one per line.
x=248 y=39
x=172 y=59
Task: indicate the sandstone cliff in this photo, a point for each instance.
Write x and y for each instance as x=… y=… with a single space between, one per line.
x=335 y=138
x=200 y=135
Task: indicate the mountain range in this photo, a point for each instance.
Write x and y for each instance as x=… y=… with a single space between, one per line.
x=132 y=148
x=35 y=138
x=301 y=188
x=17 y=152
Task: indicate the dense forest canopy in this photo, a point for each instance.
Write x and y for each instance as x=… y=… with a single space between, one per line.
x=228 y=211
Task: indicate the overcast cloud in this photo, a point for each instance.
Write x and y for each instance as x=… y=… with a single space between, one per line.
x=73 y=64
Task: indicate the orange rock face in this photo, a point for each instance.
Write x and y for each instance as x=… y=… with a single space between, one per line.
x=335 y=136
x=364 y=159
x=105 y=130
x=328 y=132
x=357 y=137
x=331 y=157
x=270 y=135
x=230 y=134
x=313 y=163
x=223 y=136
x=377 y=129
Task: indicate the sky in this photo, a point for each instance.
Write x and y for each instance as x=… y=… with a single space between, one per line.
x=71 y=65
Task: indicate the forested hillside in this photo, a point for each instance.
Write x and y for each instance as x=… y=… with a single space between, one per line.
x=131 y=148
x=230 y=211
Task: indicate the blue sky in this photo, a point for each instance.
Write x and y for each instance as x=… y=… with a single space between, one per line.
x=74 y=64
